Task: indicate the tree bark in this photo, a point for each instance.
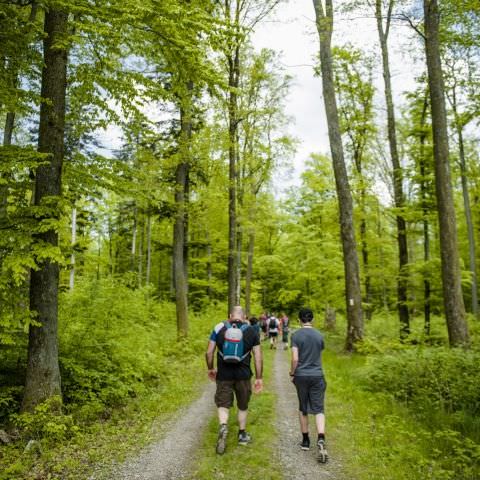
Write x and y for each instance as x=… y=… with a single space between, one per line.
x=233 y=82
x=324 y=22
x=149 y=248
x=43 y=373
x=73 y=242
x=180 y=229
x=426 y=225
x=249 y=273
x=133 y=250
x=466 y=203
x=452 y=289
x=399 y=197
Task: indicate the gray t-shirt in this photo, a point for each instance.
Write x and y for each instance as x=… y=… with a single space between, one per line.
x=310 y=344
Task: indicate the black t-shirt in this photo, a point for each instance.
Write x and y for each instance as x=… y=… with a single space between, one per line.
x=234 y=371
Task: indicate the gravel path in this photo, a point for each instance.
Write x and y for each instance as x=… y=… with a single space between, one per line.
x=170 y=457
x=298 y=464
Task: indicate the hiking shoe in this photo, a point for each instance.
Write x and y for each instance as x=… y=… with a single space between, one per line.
x=322 y=455
x=244 y=438
x=305 y=445
x=222 y=439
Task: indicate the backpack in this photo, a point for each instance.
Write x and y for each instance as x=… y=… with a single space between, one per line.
x=233 y=347
x=272 y=325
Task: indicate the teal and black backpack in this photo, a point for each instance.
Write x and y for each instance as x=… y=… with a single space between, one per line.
x=233 y=346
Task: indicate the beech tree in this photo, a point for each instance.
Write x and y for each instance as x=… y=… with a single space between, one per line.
x=43 y=373
x=452 y=289
x=383 y=27
x=324 y=22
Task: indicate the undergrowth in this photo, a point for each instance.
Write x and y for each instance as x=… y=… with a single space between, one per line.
x=121 y=364
x=405 y=410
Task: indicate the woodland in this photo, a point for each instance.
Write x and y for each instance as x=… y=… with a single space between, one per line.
x=115 y=263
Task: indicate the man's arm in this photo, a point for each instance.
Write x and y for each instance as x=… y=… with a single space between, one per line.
x=212 y=373
x=294 y=361
x=258 y=360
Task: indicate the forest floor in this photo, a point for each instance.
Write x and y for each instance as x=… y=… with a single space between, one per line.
x=175 y=455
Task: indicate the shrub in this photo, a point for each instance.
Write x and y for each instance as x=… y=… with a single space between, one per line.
x=431 y=378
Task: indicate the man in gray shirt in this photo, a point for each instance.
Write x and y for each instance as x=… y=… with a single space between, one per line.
x=307 y=375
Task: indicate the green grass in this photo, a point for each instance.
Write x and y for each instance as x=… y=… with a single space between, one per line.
x=251 y=462
x=378 y=438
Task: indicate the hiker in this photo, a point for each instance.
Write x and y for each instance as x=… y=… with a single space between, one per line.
x=263 y=325
x=284 y=321
x=306 y=373
x=273 y=326
x=234 y=341
x=255 y=325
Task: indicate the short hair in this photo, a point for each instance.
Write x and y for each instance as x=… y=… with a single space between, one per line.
x=237 y=313
x=253 y=320
x=305 y=315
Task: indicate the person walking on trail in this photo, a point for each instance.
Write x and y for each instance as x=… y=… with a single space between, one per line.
x=284 y=321
x=234 y=341
x=307 y=375
x=273 y=327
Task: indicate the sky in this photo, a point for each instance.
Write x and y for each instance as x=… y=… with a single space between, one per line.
x=292 y=31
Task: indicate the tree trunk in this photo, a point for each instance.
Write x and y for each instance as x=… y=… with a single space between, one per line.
x=133 y=250
x=209 y=265
x=149 y=248
x=238 y=266
x=468 y=218
x=43 y=373
x=140 y=250
x=330 y=318
x=397 y=172
x=180 y=229
x=233 y=82
x=249 y=273
x=426 y=226
x=466 y=203
x=452 y=289
x=74 y=241
x=350 y=257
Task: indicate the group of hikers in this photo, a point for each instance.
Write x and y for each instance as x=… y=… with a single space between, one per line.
x=236 y=340
x=271 y=328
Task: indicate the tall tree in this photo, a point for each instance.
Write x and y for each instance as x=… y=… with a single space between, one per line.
x=181 y=200
x=43 y=373
x=353 y=80
x=383 y=27
x=324 y=21
x=240 y=17
x=456 y=75
x=452 y=288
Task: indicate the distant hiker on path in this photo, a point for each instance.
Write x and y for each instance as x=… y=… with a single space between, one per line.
x=234 y=341
x=273 y=328
x=307 y=374
x=284 y=323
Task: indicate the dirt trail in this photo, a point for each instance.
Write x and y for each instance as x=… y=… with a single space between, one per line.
x=298 y=464
x=170 y=458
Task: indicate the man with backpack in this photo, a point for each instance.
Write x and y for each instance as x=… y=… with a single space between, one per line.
x=306 y=373
x=273 y=326
x=234 y=341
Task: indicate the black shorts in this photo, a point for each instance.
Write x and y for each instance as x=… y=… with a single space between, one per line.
x=311 y=394
x=225 y=390
x=273 y=334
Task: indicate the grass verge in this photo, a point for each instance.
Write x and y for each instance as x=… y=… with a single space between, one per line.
x=377 y=437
